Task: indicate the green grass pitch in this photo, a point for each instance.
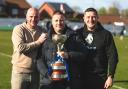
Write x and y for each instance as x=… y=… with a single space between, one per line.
x=121 y=77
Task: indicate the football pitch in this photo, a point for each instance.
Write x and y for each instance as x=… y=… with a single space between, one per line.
x=121 y=76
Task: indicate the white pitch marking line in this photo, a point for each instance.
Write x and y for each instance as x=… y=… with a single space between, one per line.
x=5 y=54
x=118 y=87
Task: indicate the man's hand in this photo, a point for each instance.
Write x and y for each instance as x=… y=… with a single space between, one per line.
x=63 y=54
x=108 y=83
x=42 y=38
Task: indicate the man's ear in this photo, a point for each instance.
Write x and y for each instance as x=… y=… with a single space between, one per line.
x=26 y=20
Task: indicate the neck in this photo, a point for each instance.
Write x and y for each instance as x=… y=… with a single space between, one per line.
x=59 y=32
x=29 y=26
x=91 y=29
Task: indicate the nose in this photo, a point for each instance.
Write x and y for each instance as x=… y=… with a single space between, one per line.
x=91 y=18
x=33 y=18
x=58 y=22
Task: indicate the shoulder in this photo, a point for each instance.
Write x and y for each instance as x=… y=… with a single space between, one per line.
x=69 y=31
x=103 y=30
x=41 y=29
x=79 y=31
x=18 y=28
x=106 y=32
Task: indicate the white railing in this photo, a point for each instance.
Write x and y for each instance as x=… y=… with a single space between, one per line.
x=10 y=21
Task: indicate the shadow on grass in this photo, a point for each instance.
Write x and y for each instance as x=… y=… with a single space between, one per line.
x=121 y=81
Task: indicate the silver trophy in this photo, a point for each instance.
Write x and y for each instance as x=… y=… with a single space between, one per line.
x=59 y=67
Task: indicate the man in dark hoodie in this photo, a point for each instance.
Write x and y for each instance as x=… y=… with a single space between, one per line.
x=73 y=53
x=102 y=59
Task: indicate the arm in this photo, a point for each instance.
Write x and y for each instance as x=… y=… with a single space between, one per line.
x=112 y=61
x=73 y=55
x=19 y=37
x=42 y=68
x=75 y=49
x=77 y=56
x=112 y=56
x=41 y=63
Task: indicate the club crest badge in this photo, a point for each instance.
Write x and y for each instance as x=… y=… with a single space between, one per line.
x=89 y=38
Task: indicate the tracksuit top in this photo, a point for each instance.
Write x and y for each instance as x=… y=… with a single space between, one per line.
x=102 y=57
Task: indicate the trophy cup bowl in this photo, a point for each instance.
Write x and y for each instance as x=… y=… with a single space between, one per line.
x=59 y=68
x=59 y=40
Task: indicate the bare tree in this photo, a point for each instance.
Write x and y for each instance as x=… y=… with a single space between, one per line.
x=124 y=13
x=102 y=11
x=113 y=11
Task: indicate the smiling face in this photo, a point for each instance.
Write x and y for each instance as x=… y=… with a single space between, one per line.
x=32 y=17
x=58 y=22
x=90 y=19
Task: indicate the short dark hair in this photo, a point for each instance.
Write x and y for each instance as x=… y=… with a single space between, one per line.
x=91 y=9
x=58 y=12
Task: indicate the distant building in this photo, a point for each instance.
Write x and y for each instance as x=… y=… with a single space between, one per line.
x=13 y=8
x=110 y=19
x=2 y=8
x=48 y=8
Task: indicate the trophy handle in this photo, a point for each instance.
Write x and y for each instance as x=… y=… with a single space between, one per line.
x=60 y=47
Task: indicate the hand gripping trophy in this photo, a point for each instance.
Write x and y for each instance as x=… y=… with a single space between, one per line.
x=59 y=68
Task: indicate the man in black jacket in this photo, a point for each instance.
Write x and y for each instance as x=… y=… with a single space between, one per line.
x=74 y=53
x=103 y=58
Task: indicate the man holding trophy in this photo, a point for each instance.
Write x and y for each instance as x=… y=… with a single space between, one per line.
x=60 y=56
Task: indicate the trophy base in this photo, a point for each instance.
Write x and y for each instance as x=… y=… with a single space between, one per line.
x=59 y=77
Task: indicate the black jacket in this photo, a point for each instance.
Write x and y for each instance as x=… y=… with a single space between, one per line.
x=102 y=52
x=75 y=46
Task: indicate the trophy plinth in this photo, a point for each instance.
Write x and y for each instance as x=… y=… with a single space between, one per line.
x=59 y=71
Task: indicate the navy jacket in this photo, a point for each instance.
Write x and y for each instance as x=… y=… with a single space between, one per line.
x=75 y=46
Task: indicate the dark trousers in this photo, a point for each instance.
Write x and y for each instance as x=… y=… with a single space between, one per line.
x=93 y=81
x=54 y=85
x=75 y=83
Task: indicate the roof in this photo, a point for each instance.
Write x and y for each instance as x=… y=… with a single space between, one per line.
x=20 y=3
x=56 y=6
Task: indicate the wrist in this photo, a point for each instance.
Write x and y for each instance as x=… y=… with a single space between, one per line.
x=37 y=42
x=110 y=76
